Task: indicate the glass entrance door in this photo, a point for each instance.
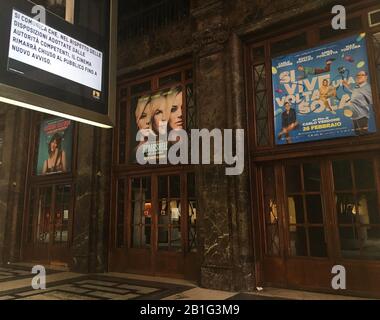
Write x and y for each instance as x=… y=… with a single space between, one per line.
x=49 y=223
x=156 y=226
x=321 y=213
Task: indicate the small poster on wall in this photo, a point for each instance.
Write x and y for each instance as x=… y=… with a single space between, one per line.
x=323 y=93
x=55 y=146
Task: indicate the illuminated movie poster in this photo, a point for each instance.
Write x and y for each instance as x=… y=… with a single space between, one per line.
x=323 y=93
x=55 y=146
x=156 y=114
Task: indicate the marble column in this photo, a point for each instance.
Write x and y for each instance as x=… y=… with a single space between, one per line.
x=13 y=169
x=91 y=202
x=224 y=230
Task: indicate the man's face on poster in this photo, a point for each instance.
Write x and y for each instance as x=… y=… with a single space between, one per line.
x=176 y=118
x=361 y=77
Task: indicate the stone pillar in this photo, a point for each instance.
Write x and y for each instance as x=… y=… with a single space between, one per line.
x=12 y=180
x=91 y=202
x=224 y=231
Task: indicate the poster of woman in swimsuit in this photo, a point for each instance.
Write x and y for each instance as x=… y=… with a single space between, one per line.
x=55 y=146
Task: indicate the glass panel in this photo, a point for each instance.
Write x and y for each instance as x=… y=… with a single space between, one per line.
x=191 y=110
x=296 y=210
x=273 y=240
x=368 y=210
x=44 y=218
x=136 y=237
x=122 y=132
x=141 y=212
x=293 y=179
x=314 y=209
x=312 y=176
x=146 y=188
x=293 y=43
x=136 y=215
x=62 y=214
x=262 y=132
x=298 y=246
x=370 y=237
x=359 y=242
x=191 y=185
x=318 y=246
x=342 y=175
x=163 y=238
x=364 y=174
x=261 y=106
x=345 y=208
x=175 y=241
x=170 y=79
x=141 y=88
x=163 y=216
x=163 y=187
x=258 y=54
x=135 y=192
x=259 y=77
x=271 y=212
x=32 y=214
x=120 y=213
x=175 y=212
x=175 y=187
x=349 y=242
x=192 y=226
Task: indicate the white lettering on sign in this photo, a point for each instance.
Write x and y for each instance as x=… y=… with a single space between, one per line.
x=45 y=48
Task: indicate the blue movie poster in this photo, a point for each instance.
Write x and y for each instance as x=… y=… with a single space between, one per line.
x=323 y=93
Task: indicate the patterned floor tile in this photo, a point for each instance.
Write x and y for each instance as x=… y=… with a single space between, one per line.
x=138 y=289
x=73 y=286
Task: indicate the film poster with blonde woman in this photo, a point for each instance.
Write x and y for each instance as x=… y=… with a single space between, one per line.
x=55 y=146
x=156 y=114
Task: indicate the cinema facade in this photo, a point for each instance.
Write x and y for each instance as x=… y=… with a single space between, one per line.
x=309 y=195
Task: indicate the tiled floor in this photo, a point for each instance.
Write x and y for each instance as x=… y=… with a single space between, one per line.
x=15 y=284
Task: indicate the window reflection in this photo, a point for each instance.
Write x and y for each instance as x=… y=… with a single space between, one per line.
x=62 y=214
x=141 y=212
x=305 y=210
x=358 y=210
x=271 y=212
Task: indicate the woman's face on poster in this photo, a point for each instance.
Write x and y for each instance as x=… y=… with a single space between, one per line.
x=143 y=122
x=53 y=145
x=176 y=118
x=143 y=115
x=159 y=115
